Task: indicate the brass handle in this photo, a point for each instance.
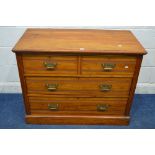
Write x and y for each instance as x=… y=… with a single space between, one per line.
x=50 y=66
x=105 y=87
x=52 y=87
x=108 y=66
x=53 y=107
x=102 y=107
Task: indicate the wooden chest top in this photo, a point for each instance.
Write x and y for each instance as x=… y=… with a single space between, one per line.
x=79 y=41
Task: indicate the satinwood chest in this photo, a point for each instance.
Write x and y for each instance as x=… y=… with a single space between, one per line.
x=73 y=76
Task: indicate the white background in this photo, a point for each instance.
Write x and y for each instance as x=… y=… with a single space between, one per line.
x=76 y=13
x=78 y=142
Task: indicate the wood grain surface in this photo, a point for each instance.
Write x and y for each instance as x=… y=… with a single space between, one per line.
x=77 y=40
x=115 y=106
x=80 y=86
x=92 y=65
x=64 y=64
x=77 y=119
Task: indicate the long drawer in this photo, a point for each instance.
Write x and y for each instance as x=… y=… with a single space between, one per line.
x=93 y=87
x=100 y=106
x=50 y=64
x=108 y=65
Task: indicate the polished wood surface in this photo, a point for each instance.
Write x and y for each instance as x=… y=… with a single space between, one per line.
x=79 y=41
x=80 y=86
x=23 y=82
x=64 y=64
x=89 y=76
x=78 y=119
x=79 y=65
x=133 y=85
x=78 y=106
x=92 y=65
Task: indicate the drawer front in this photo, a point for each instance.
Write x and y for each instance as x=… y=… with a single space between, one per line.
x=108 y=65
x=95 y=87
x=50 y=64
x=99 y=106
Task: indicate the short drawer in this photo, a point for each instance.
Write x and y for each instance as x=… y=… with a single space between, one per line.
x=50 y=64
x=100 y=106
x=108 y=65
x=95 y=87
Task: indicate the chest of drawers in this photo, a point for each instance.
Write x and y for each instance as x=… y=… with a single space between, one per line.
x=71 y=76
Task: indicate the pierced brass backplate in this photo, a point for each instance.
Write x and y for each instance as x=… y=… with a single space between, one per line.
x=102 y=107
x=52 y=87
x=108 y=66
x=53 y=107
x=50 y=65
x=105 y=87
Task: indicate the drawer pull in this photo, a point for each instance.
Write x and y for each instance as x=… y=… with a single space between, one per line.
x=105 y=87
x=102 y=107
x=50 y=66
x=108 y=66
x=53 y=107
x=52 y=87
